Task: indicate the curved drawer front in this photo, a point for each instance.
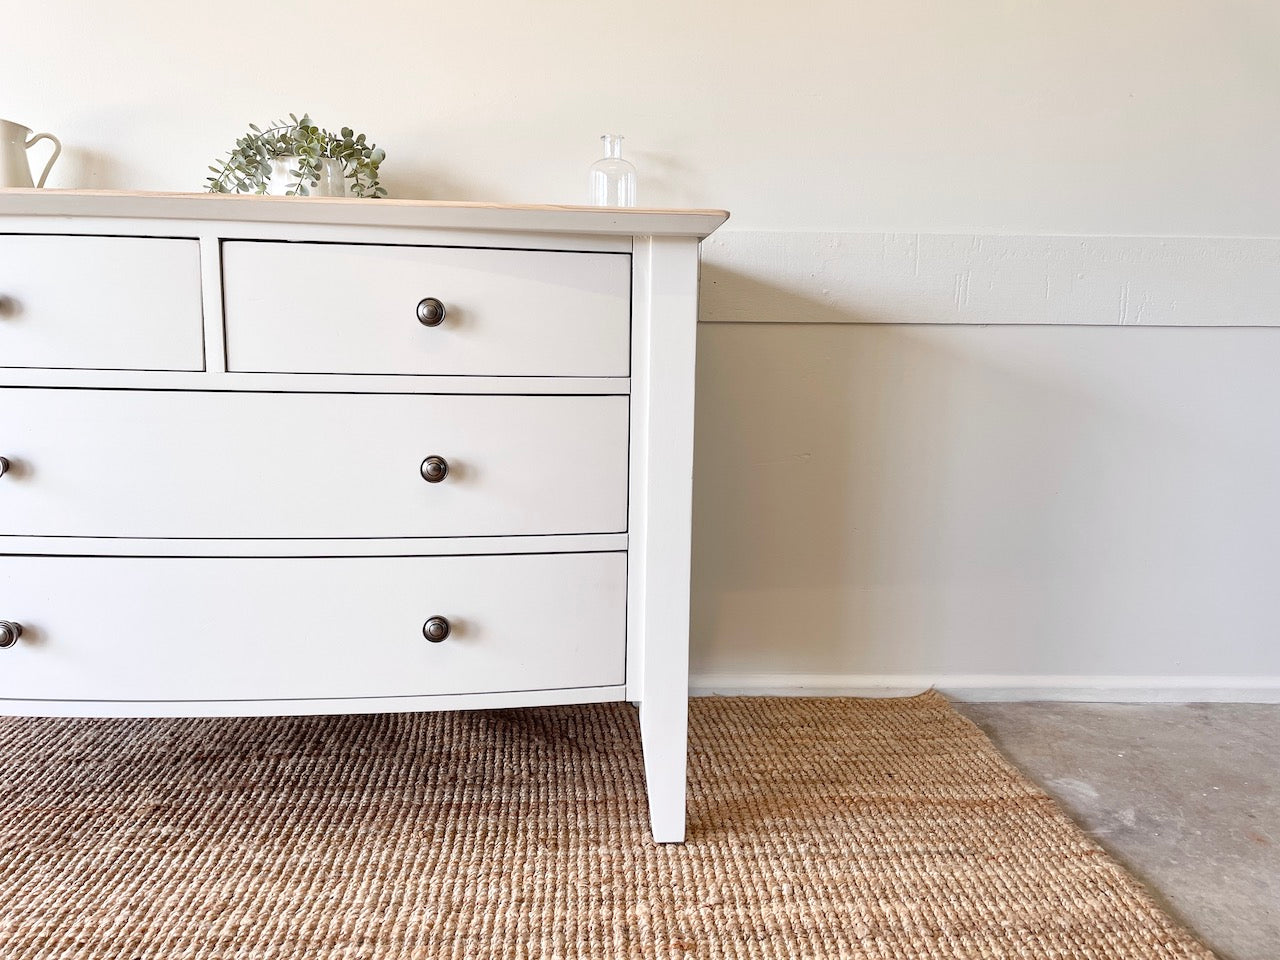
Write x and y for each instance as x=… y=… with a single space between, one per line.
x=272 y=629
x=262 y=465
x=345 y=308
x=111 y=303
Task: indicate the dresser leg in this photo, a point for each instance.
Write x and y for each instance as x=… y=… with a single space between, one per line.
x=664 y=734
x=663 y=344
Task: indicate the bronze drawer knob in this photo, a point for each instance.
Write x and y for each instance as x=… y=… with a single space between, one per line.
x=434 y=469
x=4 y=466
x=9 y=633
x=430 y=312
x=436 y=629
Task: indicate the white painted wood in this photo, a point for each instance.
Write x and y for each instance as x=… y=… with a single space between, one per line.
x=347 y=308
x=997 y=687
x=276 y=629
x=206 y=542
x=298 y=708
x=352 y=212
x=215 y=341
x=322 y=233
x=309 y=383
x=300 y=547
x=662 y=474
x=99 y=302
x=260 y=465
x=792 y=277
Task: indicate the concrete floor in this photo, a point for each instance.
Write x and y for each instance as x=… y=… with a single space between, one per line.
x=1187 y=796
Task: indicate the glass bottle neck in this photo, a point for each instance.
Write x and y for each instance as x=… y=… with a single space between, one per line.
x=612 y=145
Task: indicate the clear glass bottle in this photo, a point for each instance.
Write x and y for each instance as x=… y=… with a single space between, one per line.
x=613 y=180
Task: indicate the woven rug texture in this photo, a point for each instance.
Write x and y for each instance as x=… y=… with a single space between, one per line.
x=819 y=828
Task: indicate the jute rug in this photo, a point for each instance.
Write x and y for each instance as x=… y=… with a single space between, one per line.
x=820 y=828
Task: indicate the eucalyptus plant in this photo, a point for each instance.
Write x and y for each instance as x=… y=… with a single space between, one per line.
x=247 y=168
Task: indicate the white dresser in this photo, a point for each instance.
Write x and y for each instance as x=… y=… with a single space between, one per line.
x=282 y=456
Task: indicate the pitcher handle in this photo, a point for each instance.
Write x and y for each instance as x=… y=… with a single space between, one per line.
x=57 y=149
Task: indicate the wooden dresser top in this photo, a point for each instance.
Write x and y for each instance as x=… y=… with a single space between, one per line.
x=350 y=211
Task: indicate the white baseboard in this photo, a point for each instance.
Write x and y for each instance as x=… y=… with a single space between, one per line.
x=996 y=687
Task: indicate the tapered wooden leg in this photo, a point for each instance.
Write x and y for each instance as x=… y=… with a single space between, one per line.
x=665 y=284
x=664 y=731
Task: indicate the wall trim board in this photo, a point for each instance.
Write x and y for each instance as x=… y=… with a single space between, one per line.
x=802 y=277
x=978 y=688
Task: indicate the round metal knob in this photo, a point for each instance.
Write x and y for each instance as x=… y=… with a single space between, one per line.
x=10 y=632
x=434 y=469
x=430 y=312
x=4 y=466
x=436 y=629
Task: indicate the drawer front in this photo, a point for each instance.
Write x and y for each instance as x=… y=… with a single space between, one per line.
x=111 y=303
x=260 y=465
x=248 y=629
x=341 y=308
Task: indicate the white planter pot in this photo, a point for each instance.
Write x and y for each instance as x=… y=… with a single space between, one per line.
x=331 y=184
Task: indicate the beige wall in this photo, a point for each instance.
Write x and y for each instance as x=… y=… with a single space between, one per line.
x=1001 y=116
x=900 y=501
x=881 y=502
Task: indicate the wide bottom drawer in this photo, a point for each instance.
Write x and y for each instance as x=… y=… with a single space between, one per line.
x=142 y=628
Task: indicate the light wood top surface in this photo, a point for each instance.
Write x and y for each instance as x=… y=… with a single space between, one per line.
x=20 y=202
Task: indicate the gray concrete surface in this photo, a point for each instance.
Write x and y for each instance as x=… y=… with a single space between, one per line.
x=1187 y=796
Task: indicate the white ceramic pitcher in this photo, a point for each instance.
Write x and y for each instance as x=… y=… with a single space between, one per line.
x=15 y=140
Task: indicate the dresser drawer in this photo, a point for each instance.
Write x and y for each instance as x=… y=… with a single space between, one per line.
x=263 y=465
x=245 y=629
x=343 y=308
x=117 y=303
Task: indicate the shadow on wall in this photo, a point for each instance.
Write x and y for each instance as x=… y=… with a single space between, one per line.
x=891 y=499
x=794 y=469
x=89 y=169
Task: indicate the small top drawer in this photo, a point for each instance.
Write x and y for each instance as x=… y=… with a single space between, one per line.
x=104 y=303
x=370 y=309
